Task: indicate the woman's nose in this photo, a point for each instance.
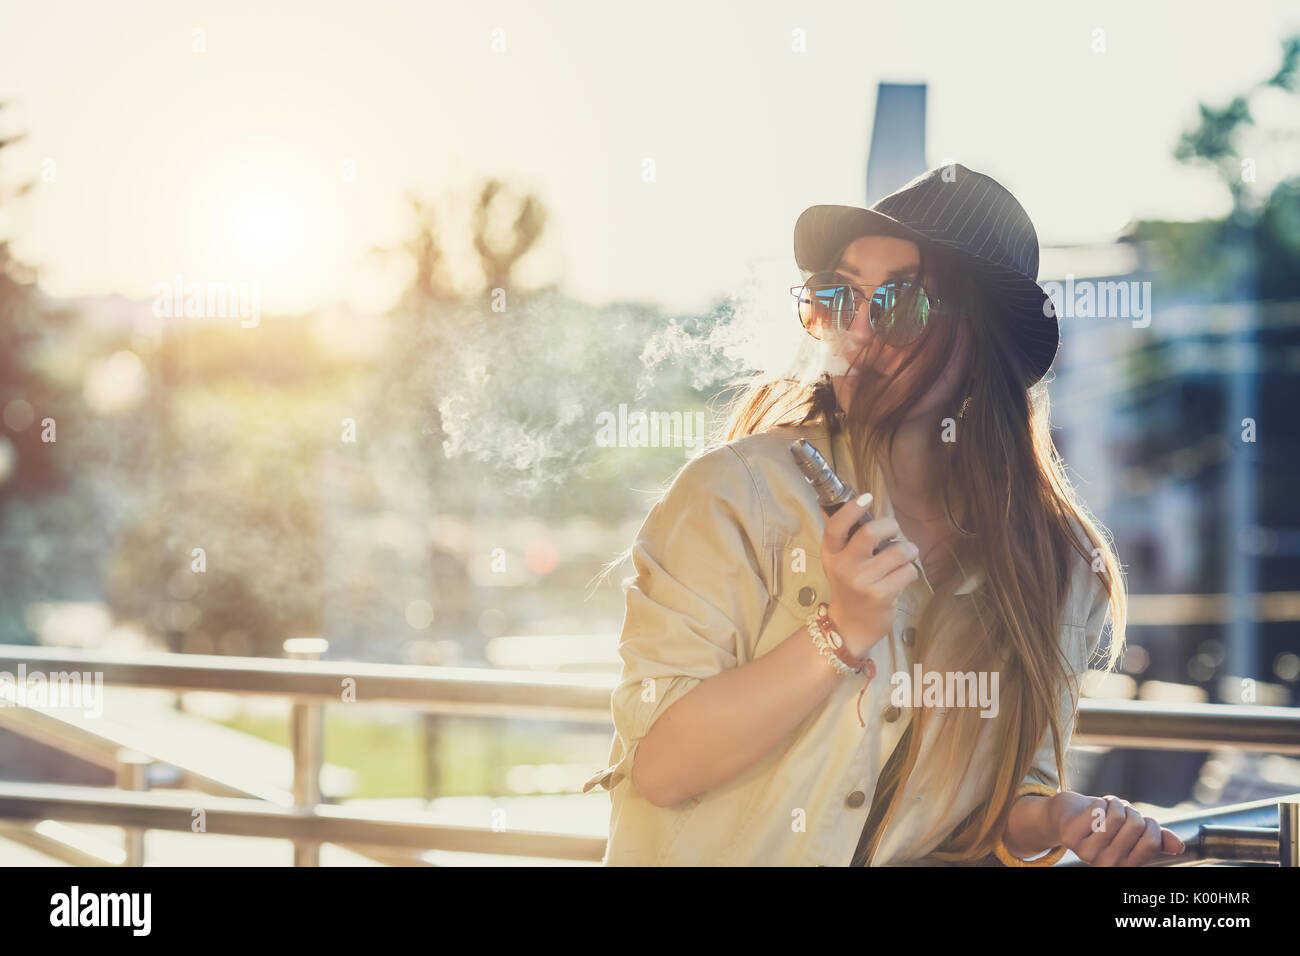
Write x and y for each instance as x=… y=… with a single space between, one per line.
x=860 y=331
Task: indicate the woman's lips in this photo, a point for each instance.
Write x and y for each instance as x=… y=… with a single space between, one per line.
x=843 y=369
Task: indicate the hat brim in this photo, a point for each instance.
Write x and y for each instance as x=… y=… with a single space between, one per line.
x=822 y=232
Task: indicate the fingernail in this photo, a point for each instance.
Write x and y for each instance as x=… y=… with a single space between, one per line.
x=864 y=499
x=1182 y=847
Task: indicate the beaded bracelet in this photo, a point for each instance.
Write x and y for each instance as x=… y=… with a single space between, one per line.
x=831 y=644
x=1047 y=859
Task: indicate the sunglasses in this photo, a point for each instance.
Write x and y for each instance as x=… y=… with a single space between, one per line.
x=899 y=310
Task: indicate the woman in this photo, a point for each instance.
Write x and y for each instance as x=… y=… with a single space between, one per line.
x=791 y=697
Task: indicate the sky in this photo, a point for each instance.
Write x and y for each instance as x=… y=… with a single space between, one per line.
x=275 y=143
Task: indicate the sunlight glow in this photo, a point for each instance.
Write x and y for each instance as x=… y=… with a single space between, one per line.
x=267 y=227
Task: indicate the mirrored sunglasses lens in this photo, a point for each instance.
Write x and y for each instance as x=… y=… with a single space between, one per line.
x=826 y=304
x=900 y=312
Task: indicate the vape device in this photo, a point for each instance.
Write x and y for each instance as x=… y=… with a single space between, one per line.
x=832 y=492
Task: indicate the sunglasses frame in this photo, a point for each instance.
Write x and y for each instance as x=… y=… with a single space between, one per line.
x=861 y=298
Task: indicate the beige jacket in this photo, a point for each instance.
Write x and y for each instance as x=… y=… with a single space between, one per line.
x=717 y=586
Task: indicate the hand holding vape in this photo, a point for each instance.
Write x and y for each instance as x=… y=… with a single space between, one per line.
x=833 y=493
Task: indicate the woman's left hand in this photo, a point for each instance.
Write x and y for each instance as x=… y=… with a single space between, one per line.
x=1107 y=831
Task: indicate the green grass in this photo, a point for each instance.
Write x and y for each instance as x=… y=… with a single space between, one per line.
x=474 y=754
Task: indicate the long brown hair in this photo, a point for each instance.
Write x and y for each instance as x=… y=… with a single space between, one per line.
x=1005 y=490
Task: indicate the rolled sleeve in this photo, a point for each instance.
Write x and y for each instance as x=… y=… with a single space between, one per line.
x=696 y=601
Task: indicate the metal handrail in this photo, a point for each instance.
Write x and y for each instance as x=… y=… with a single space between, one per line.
x=235 y=816
x=1181 y=726
x=460 y=690
x=585 y=697
x=1258 y=831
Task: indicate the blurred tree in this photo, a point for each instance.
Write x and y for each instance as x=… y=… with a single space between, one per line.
x=526 y=228
x=238 y=483
x=28 y=466
x=34 y=476
x=431 y=282
x=1255 y=249
x=398 y=408
x=1212 y=142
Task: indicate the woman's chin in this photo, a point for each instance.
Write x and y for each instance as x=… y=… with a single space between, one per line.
x=854 y=375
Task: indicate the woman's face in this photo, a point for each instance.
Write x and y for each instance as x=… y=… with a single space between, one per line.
x=869 y=262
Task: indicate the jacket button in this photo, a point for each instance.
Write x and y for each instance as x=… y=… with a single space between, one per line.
x=807 y=596
x=891 y=713
x=909 y=636
x=856 y=799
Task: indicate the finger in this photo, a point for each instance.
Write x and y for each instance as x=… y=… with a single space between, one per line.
x=885 y=563
x=1103 y=827
x=1129 y=835
x=1080 y=826
x=874 y=536
x=836 y=532
x=892 y=584
x=1145 y=849
x=1170 y=843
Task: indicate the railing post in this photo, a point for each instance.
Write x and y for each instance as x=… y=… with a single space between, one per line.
x=432 y=725
x=307 y=737
x=1288 y=832
x=133 y=774
x=431 y=734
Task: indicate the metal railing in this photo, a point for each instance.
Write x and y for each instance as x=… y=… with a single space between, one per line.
x=310 y=684
x=1261 y=831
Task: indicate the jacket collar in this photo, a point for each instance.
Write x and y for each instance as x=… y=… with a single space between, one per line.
x=836 y=451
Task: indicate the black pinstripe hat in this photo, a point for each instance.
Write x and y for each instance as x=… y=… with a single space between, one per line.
x=973 y=217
